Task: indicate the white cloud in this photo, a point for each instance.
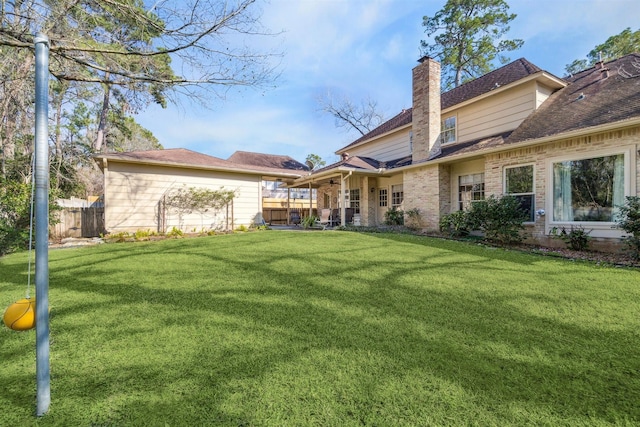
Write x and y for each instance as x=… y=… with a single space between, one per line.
x=364 y=48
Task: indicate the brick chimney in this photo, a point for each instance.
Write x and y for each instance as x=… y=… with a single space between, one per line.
x=426 y=109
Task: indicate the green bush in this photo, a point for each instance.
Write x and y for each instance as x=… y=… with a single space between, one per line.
x=394 y=217
x=629 y=221
x=455 y=224
x=576 y=238
x=500 y=218
x=175 y=233
x=308 y=221
x=15 y=208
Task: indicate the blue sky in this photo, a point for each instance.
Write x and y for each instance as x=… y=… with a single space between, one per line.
x=360 y=49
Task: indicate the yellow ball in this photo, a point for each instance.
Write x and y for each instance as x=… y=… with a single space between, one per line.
x=21 y=315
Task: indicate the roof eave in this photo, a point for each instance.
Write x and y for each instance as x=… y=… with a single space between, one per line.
x=527 y=143
x=106 y=158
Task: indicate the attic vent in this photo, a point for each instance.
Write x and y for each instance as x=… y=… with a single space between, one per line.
x=581 y=97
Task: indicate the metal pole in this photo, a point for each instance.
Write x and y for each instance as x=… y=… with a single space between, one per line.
x=42 y=224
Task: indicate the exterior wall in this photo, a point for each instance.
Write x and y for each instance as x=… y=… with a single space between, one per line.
x=428 y=190
x=495 y=114
x=133 y=194
x=459 y=169
x=542 y=157
x=542 y=94
x=376 y=213
x=390 y=147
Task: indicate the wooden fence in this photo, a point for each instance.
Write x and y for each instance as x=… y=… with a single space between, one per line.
x=78 y=222
x=275 y=216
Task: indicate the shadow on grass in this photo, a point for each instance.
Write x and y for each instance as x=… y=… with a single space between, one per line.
x=204 y=333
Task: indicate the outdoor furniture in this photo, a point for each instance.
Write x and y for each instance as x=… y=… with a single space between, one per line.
x=325 y=218
x=294 y=217
x=335 y=217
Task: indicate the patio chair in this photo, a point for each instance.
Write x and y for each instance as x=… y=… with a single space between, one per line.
x=325 y=218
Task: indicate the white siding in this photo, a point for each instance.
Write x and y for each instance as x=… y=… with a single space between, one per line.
x=542 y=94
x=390 y=147
x=133 y=193
x=496 y=114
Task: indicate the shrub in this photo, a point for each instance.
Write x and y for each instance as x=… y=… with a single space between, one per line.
x=175 y=233
x=455 y=224
x=143 y=234
x=629 y=221
x=576 y=238
x=308 y=221
x=394 y=217
x=500 y=218
x=413 y=219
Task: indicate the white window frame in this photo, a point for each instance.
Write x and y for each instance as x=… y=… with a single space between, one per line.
x=383 y=197
x=394 y=198
x=354 y=199
x=457 y=189
x=444 y=129
x=533 y=185
x=596 y=228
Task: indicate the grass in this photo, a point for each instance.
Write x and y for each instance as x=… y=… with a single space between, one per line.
x=284 y=328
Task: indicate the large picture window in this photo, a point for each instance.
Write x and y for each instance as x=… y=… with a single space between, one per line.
x=470 y=189
x=589 y=189
x=448 y=130
x=518 y=182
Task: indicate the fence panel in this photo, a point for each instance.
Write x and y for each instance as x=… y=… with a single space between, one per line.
x=78 y=222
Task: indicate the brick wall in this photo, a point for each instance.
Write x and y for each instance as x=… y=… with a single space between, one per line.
x=426 y=108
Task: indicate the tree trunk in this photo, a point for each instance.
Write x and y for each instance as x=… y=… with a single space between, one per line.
x=102 y=124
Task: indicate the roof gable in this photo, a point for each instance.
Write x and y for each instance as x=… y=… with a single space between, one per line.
x=507 y=74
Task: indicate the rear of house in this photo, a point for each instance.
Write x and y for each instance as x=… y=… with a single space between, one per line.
x=566 y=148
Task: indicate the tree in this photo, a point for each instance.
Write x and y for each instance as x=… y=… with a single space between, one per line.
x=614 y=47
x=120 y=42
x=468 y=38
x=363 y=117
x=315 y=160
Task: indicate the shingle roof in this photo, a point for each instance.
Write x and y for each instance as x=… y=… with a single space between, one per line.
x=355 y=162
x=178 y=156
x=188 y=158
x=591 y=99
x=266 y=160
x=502 y=76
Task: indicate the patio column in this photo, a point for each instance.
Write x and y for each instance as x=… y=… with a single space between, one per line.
x=343 y=213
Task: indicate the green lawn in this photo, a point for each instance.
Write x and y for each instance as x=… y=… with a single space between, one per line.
x=279 y=328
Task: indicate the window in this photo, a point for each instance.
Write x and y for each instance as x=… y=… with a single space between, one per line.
x=397 y=195
x=383 y=197
x=448 y=130
x=588 y=189
x=471 y=188
x=410 y=142
x=518 y=182
x=354 y=200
